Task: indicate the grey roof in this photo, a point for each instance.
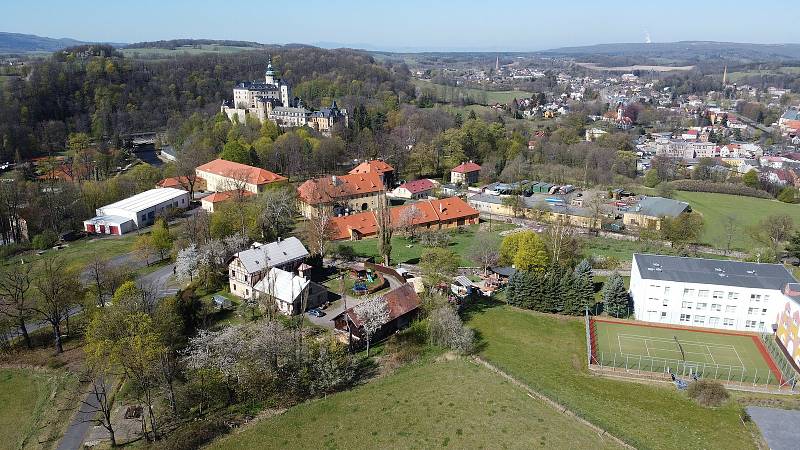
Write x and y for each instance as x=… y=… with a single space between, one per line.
x=256 y=86
x=791 y=114
x=147 y=199
x=537 y=202
x=505 y=271
x=659 y=206
x=713 y=271
x=278 y=253
x=778 y=426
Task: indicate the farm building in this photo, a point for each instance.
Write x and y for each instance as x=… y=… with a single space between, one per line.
x=709 y=293
x=136 y=212
x=650 y=210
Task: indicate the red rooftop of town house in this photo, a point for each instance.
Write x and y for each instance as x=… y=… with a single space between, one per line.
x=328 y=189
x=374 y=166
x=253 y=175
x=417 y=186
x=420 y=213
x=361 y=224
x=453 y=208
x=466 y=167
x=217 y=197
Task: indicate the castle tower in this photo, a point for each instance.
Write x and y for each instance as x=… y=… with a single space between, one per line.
x=269 y=75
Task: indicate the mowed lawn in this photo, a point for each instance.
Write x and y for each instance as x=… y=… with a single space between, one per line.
x=25 y=397
x=746 y=211
x=407 y=251
x=549 y=354
x=78 y=253
x=651 y=348
x=455 y=404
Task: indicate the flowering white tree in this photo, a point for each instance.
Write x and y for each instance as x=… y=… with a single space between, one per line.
x=186 y=263
x=373 y=314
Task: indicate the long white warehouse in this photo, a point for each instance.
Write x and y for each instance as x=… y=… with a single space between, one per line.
x=135 y=212
x=709 y=293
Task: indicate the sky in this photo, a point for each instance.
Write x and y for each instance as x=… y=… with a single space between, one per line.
x=409 y=25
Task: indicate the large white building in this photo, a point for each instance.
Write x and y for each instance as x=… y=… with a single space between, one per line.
x=137 y=211
x=709 y=293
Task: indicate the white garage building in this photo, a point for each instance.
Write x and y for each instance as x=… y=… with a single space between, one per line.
x=709 y=293
x=135 y=212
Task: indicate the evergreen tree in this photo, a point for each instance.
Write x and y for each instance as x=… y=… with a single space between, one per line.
x=615 y=296
x=583 y=288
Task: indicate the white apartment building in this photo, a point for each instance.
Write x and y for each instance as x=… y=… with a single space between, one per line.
x=709 y=293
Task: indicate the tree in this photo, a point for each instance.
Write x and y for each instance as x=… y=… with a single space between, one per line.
x=651 y=179
x=161 y=239
x=98 y=270
x=682 y=230
x=318 y=229
x=278 y=211
x=14 y=300
x=445 y=329
x=730 y=231
x=407 y=220
x=100 y=410
x=564 y=246
x=772 y=231
x=788 y=195
x=484 y=250
x=532 y=253
x=144 y=248
x=373 y=314
x=615 y=296
x=750 y=179
x=665 y=190
x=385 y=229
x=509 y=247
x=186 y=263
x=793 y=247
x=583 y=287
x=58 y=291
x=438 y=265
x=237 y=152
x=515 y=203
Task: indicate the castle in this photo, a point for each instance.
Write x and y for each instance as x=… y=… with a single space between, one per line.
x=272 y=100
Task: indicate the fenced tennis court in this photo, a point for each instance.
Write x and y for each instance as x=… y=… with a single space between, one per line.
x=659 y=349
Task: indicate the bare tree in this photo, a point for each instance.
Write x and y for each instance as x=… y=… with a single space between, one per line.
x=98 y=270
x=318 y=229
x=58 y=292
x=564 y=247
x=192 y=153
x=237 y=185
x=99 y=411
x=407 y=221
x=14 y=301
x=596 y=206
x=279 y=208
x=772 y=231
x=186 y=263
x=730 y=231
x=373 y=314
x=197 y=227
x=484 y=251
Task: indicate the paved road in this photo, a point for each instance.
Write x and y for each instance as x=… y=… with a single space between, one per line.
x=79 y=427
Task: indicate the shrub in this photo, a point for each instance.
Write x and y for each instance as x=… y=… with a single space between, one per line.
x=788 y=195
x=446 y=330
x=719 y=188
x=708 y=393
x=345 y=252
x=194 y=435
x=9 y=250
x=43 y=241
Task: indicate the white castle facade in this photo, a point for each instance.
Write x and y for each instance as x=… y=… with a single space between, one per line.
x=272 y=100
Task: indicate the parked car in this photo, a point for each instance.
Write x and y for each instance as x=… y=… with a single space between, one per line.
x=316 y=312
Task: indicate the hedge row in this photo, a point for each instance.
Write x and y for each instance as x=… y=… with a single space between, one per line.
x=719 y=188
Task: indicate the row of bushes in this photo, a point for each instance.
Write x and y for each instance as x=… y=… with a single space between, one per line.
x=719 y=188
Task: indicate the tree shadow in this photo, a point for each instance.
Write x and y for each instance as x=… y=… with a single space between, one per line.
x=478 y=306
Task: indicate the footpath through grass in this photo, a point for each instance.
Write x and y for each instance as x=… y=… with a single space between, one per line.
x=455 y=404
x=549 y=354
x=28 y=407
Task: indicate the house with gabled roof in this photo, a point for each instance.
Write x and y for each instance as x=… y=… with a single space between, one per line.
x=222 y=176
x=248 y=267
x=352 y=192
x=403 y=304
x=649 y=212
x=415 y=189
x=383 y=169
x=465 y=173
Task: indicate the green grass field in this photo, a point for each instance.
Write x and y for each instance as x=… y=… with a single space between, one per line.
x=548 y=353
x=78 y=253
x=27 y=412
x=747 y=211
x=653 y=349
x=406 y=251
x=453 y=404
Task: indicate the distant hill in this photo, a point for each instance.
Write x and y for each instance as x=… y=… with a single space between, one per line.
x=173 y=44
x=685 y=51
x=28 y=43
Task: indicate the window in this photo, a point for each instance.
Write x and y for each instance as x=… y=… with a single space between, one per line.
x=751 y=311
x=730 y=308
x=700 y=319
x=763 y=311
x=665 y=302
x=761 y=325
x=666 y=290
x=685 y=317
x=728 y=322
x=686 y=305
x=702 y=294
x=688 y=292
x=713 y=321
x=755 y=297
x=718 y=295
x=233 y=273
x=733 y=296
x=663 y=314
x=716 y=307
x=702 y=305
x=750 y=324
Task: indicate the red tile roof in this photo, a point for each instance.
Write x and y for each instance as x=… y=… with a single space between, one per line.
x=253 y=175
x=328 y=189
x=374 y=166
x=364 y=223
x=217 y=197
x=400 y=302
x=417 y=186
x=453 y=208
x=176 y=182
x=425 y=214
x=466 y=167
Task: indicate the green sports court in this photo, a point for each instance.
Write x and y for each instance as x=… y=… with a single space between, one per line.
x=727 y=356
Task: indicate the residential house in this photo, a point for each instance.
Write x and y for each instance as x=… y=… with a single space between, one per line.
x=465 y=173
x=292 y=294
x=343 y=193
x=210 y=203
x=248 y=267
x=222 y=176
x=403 y=304
x=649 y=212
x=414 y=190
